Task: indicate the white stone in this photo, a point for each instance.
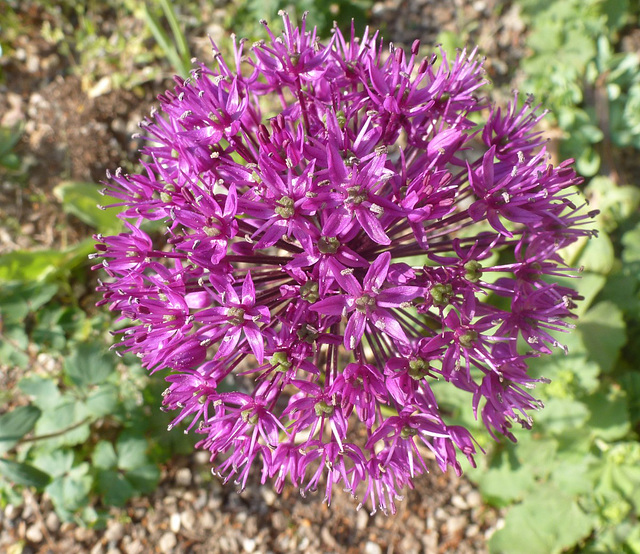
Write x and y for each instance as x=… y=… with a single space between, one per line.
x=372 y=548
x=167 y=542
x=174 y=522
x=34 y=533
x=249 y=545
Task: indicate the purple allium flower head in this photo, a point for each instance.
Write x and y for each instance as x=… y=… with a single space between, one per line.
x=341 y=227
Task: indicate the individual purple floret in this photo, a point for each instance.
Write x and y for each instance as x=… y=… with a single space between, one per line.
x=341 y=226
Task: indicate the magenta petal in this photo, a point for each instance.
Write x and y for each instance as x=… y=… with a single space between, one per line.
x=377 y=273
x=336 y=223
x=487 y=167
x=273 y=234
x=354 y=330
x=228 y=343
x=197 y=300
x=231 y=202
x=347 y=281
x=330 y=306
x=395 y=296
x=386 y=323
x=248 y=291
x=255 y=340
x=372 y=227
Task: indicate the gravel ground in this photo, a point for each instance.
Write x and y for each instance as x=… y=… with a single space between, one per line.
x=69 y=134
x=191 y=513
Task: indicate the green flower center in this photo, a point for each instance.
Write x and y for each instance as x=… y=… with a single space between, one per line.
x=441 y=293
x=408 y=432
x=473 y=271
x=364 y=302
x=468 y=338
x=322 y=408
x=235 y=316
x=309 y=292
x=280 y=362
x=418 y=369
x=285 y=207
x=328 y=245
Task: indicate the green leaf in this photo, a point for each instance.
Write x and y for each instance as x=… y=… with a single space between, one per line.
x=588 y=162
x=571 y=476
x=571 y=375
x=57 y=462
x=617 y=13
x=30 y=265
x=18 y=299
x=13 y=346
x=70 y=492
x=546 y=522
x=609 y=417
x=630 y=382
x=603 y=333
x=116 y=490
x=43 y=391
x=67 y=421
x=88 y=365
x=619 y=472
x=537 y=454
x=621 y=289
x=16 y=424
x=102 y=401
x=598 y=254
x=631 y=243
x=506 y=480
x=616 y=203
x=132 y=452
x=23 y=474
x=144 y=478
x=82 y=200
x=562 y=414
x=104 y=456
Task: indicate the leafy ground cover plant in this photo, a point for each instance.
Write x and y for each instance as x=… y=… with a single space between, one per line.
x=583 y=454
x=573 y=483
x=80 y=428
x=322 y=269
x=580 y=72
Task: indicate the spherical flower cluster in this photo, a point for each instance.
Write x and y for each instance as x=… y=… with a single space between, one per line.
x=341 y=225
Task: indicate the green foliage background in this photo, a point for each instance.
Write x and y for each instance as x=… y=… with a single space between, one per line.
x=80 y=429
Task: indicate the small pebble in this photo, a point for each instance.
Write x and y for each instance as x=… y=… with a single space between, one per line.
x=174 y=522
x=83 y=534
x=473 y=530
x=268 y=496
x=183 y=477
x=201 y=501
x=188 y=519
x=456 y=524
x=134 y=547
x=98 y=548
x=10 y=511
x=440 y=514
x=474 y=499
x=114 y=532
x=34 y=533
x=459 y=502
x=167 y=542
x=327 y=538
x=372 y=548
x=362 y=519
x=249 y=545
x=52 y=522
x=206 y=520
